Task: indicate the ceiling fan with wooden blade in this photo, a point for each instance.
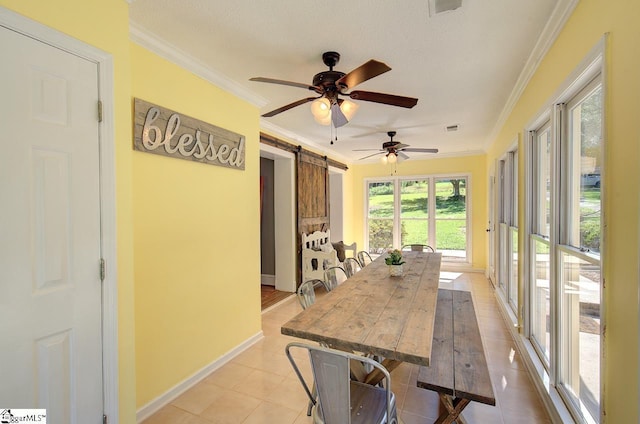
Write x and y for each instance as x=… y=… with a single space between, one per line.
x=394 y=150
x=329 y=85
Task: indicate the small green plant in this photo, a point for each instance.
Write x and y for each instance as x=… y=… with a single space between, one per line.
x=394 y=258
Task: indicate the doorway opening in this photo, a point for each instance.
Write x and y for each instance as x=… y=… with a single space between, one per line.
x=277 y=224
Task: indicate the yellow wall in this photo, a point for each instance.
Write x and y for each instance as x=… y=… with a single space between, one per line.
x=190 y=219
x=196 y=236
x=587 y=25
x=105 y=25
x=474 y=166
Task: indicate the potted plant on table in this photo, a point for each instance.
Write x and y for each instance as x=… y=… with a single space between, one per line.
x=394 y=261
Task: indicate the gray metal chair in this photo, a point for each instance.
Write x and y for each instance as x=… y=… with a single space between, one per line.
x=333 y=276
x=306 y=292
x=364 y=258
x=351 y=266
x=341 y=400
x=418 y=248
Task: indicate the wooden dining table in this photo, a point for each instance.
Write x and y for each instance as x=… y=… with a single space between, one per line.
x=376 y=314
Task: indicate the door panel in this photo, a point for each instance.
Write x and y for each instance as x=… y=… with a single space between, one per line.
x=50 y=308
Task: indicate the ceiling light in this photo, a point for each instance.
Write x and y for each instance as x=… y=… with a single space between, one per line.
x=392 y=157
x=349 y=108
x=384 y=160
x=321 y=110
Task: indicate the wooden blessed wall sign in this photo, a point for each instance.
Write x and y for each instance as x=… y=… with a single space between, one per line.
x=165 y=132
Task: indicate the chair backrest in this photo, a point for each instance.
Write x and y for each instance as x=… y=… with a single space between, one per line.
x=333 y=276
x=331 y=372
x=418 y=248
x=351 y=266
x=364 y=258
x=353 y=247
x=307 y=294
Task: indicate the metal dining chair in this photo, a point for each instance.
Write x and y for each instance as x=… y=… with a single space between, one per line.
x=333 y=276
x=418 y=248
x=337 y=399
x=351 y=266
x=364 y=258
x=306 y=292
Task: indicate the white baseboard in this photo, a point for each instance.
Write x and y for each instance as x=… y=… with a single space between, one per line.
x=268 y=280
x=155 y=405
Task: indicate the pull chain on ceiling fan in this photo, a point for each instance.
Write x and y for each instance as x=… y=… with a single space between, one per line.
x=330 y=85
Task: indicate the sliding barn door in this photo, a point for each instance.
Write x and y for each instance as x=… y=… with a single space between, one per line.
x=313 y=194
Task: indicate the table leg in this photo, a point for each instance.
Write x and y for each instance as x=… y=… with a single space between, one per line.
x=375 y=376
x=453 y=409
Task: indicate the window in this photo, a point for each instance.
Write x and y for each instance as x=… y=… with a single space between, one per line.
x=540 y=231
x=579 y=250
x=414 y=212
x=425 y=210
x=381 y=215
x=564 y=261
x=508 y=229
x=451 y=218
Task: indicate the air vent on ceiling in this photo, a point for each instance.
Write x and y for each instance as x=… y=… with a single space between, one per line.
x=441 y=6
x=451 y=128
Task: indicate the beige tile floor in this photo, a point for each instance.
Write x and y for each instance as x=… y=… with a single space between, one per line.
x=259 y=386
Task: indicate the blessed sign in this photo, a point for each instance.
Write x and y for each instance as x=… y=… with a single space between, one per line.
x=165 y=132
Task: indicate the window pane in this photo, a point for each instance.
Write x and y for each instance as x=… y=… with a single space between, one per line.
x=451 y=218
x=414 y=232
x=580 y=305
x=513 y=279
x=381 y=200
x=586 y=131
x=503 y=234
x=380 y=216
x=414 y=199
x=380 y=235
x=414 y=212
x=541 y=298
x=542 y=182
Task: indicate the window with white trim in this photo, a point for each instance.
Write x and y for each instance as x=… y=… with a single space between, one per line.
x=419 y=210
x=564 y=261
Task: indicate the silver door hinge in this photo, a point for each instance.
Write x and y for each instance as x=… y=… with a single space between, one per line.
x=99 y=110
x=103 y=269
x=104 y=419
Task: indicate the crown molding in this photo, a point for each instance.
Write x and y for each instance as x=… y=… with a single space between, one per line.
x=557 y=20
x=173 y=54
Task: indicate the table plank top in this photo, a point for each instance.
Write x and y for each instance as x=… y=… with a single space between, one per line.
x=374 y=313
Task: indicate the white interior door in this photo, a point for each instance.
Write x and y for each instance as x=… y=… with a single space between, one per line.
x=50 y=307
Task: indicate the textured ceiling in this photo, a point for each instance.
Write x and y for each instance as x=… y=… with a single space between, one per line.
x=462 y=65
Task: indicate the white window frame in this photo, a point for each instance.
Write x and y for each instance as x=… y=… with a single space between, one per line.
x=591 y=66
x=432 y=237
x=507 y=172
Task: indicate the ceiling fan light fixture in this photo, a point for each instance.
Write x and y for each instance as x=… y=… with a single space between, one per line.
x=349 y=108
x=393 y=158
x=321 y=110
x=384 y=160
